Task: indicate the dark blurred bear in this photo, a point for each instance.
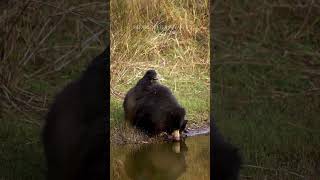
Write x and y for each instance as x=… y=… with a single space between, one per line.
x=225 y=158
x=157 y=161
x=76 y=127
x=151 y=107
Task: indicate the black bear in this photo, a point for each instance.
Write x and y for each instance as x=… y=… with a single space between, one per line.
x=152 y=108
x=225 y=158
x=75 y=131
x=141 y=88
x=157 y=161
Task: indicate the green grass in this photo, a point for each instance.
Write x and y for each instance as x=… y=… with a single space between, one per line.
x=168 y=36
x=21 y=154
x=266 y=85
x=265 y=75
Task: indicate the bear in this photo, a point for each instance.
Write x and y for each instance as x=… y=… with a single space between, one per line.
x=157 y=161
x=152 y=108
x=75 y=131
x=225 y=158
x=137 y=92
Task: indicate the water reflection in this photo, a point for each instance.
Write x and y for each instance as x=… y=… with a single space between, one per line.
x=187 y=160
x=157 y=161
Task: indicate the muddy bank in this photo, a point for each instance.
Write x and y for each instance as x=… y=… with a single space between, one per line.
x=123 y=134
x=198 y=131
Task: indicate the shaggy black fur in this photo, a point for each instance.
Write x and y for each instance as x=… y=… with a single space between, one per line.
x=142 y=87
x=152 y=107
x=76 y=127
x=225 y=158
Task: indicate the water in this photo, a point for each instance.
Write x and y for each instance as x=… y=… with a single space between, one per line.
x=189 y=159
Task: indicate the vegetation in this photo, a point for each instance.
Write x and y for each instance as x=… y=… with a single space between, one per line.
x=265 y=80
x=43 y=46
x=265 y=74
x=171 y=37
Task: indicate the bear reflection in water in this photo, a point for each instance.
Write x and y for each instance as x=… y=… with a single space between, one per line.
x=157 y=161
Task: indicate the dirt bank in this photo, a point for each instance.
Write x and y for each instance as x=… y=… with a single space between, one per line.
x=123 y=134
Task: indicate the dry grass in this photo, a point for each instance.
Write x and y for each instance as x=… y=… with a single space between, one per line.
x=123 y=134
x=169 y=36
x=166 y=35
x=43 y=46
x=39 y=40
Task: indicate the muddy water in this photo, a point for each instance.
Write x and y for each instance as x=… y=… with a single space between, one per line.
x=188 y=159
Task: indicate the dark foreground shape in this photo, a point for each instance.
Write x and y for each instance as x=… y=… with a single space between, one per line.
x=76 y=127
x=157 y=161
x=152 y=108
x=225 y=158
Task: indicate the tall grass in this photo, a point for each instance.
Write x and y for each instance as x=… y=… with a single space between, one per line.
x=39 y=39
x=43 y=46
x=169 y=36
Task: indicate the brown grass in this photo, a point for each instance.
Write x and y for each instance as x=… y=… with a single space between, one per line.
x=39 y=39
x=169 y=36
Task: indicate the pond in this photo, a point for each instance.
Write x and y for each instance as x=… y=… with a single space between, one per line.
x=188 y=159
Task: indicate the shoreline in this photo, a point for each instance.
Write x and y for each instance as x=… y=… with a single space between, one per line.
x=124 y=135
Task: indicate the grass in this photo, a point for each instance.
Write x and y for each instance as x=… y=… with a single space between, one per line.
x=265 y=73
x=265 y=79
x=171 y=37
x=43 y=46
x=21 y=151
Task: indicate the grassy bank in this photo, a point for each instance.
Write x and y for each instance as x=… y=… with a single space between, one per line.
x=265 y=79
x=43 y=46
x=171 y=37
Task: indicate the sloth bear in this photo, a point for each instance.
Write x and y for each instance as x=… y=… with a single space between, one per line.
x=75 y=131
x=225 y=158
x=157 y=161
x=142 y=87
x=152 y=108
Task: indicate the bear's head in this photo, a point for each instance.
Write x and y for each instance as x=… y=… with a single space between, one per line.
x=176 y=123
